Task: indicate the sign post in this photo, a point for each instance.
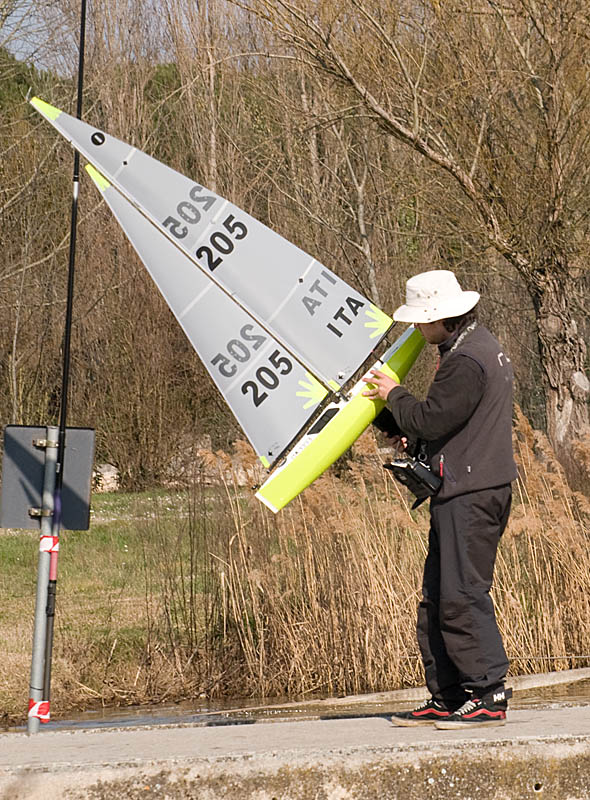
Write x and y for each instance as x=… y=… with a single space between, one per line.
x=30 y=499
x=38 y=704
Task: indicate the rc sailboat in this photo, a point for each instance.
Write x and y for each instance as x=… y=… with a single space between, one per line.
x=279 y=333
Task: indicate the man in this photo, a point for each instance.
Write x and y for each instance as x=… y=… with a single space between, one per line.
x=463 y=428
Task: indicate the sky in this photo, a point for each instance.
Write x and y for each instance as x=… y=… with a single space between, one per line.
x=32 y=32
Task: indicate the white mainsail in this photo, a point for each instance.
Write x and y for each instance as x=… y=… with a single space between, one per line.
x=270 y=393
x=315 y=315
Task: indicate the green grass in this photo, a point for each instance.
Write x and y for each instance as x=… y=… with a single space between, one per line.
x=121 y=505
x=110 y=555
x=108 y=592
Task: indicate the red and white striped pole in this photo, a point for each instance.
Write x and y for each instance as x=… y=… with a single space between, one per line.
x=38 y=703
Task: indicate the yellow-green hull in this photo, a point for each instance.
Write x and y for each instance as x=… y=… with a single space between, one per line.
x=322 y=449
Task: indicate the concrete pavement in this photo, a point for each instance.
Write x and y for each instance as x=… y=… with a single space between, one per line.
x=540 y=753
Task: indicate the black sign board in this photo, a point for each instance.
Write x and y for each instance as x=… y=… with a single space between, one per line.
x=23 y=470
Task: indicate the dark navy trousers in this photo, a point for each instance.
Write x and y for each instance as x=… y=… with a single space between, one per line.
x=458 y=635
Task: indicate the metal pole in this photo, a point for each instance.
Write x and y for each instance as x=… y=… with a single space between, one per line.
x=38 y=704
x=52 y=572
x=50 y=609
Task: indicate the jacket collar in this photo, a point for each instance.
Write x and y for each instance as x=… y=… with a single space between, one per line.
x=448 y=343
x=456 y=338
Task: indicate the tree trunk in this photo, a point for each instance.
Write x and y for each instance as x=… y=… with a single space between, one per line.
x=563 y=357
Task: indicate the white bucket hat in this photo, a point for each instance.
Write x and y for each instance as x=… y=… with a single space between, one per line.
x=434 y=295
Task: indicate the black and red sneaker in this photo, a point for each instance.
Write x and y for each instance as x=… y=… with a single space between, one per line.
x=478 y=712
x=428 y=713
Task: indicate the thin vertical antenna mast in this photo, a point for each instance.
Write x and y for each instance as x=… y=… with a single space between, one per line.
x=57 y=513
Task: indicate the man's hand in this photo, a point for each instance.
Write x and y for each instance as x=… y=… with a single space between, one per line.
x=399 y=443
x=380 y=385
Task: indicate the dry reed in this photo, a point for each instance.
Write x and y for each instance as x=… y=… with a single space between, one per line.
x=322 y=598
x=233 y=601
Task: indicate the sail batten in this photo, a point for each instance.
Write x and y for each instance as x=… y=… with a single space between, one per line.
x=194 y=301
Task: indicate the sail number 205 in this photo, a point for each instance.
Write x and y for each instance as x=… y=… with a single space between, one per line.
x=221 y=242
x=266 y=376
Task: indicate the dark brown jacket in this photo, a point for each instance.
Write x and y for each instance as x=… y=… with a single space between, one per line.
x=466 y=417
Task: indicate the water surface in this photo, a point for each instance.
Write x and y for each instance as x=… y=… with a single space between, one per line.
x=243 y=712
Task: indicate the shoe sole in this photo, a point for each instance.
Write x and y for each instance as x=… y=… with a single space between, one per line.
x=412 y=723
x=454 y=726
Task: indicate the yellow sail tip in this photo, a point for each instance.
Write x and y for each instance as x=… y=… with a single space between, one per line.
x=312 y=390
x=379 y=321
x=98 y=179
x=47 y=110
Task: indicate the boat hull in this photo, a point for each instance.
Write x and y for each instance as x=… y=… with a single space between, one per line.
x=323 y=445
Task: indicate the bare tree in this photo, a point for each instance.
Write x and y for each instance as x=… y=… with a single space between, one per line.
x=496 y=96
x=382 y=140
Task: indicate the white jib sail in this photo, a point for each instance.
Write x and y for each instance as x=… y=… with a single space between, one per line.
x=271 y=394
x=314 y=314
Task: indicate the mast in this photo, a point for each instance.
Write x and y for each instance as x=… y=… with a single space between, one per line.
x=57 y=515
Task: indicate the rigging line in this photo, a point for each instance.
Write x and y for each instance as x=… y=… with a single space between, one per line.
x=57 y=513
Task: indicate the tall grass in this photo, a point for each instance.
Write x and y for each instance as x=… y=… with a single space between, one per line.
x=323 y=597
x=205 y=593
